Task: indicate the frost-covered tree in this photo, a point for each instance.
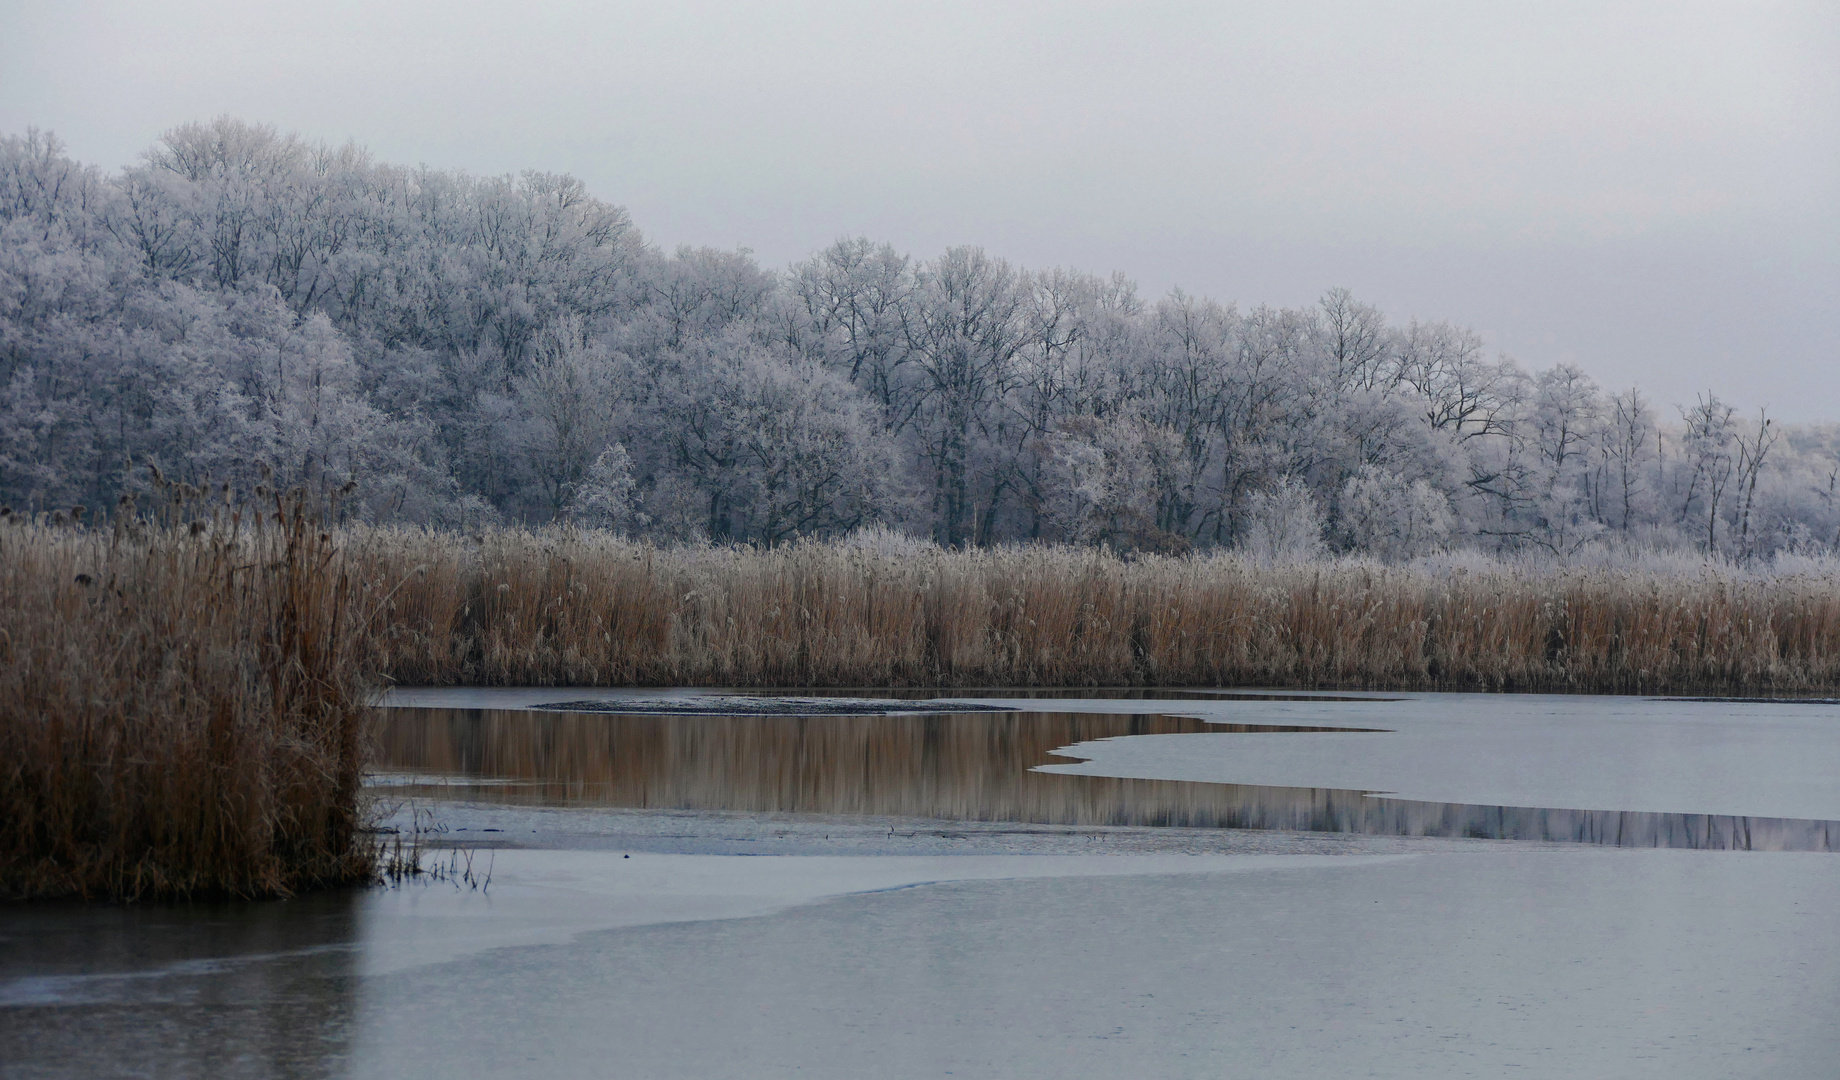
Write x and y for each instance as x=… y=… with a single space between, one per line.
x=964 y=332
x=1383 y=514
x=566 y=400
x=510 y=347
x=606 y=496
x=1284 y=523
x=745 y=444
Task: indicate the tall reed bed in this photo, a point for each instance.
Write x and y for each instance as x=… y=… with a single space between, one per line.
x=555 y=608
x=184 y=701
x=182 y=707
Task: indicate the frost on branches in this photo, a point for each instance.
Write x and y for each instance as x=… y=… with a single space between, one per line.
x=511 y=348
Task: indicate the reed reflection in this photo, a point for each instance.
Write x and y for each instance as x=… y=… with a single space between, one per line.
x=962 y=766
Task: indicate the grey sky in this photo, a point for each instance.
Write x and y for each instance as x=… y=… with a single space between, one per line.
x=1647 y=189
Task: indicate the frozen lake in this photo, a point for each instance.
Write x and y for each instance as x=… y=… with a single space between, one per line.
x=1015 y=894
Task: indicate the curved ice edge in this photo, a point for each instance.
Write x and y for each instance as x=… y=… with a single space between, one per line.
x=1380 y=813
x=551 y=897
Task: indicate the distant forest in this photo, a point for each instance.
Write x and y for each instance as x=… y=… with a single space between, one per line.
x=478 y=350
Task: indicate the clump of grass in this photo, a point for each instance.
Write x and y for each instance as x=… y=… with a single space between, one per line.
x=183 y=709
x=517 y=607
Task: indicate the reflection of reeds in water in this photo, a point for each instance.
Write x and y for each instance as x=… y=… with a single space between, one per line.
x=962 y=766
x=972 y=766
x=521 y=608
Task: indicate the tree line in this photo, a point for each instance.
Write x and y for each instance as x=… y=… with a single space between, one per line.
x=511 y=349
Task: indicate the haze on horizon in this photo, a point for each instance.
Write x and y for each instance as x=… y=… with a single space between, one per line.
x=1647 y=190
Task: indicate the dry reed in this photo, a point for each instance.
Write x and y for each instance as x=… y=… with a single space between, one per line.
x=181 y=704
x=514 y=607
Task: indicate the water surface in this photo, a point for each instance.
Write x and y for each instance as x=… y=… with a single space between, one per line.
x=1405 y=958
x=1502 y=961
x=1011 y=766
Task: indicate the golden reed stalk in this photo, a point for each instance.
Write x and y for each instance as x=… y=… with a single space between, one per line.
x=513 y=607
x=183 y=706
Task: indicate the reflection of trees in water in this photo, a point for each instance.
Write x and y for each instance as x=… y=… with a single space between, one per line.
x=261 y=988
x=964 y=766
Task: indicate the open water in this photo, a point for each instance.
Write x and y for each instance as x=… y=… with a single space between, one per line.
x=1433 y=885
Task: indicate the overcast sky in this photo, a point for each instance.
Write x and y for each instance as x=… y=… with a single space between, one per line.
x=1650 y=190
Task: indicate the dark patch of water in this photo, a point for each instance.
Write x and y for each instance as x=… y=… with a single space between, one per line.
x=760 y=705
x=964 y=766
x=1062 y=693
x=234 y=989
